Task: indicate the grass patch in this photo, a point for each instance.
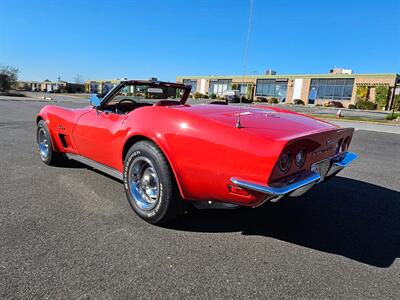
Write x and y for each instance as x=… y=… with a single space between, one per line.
x=393 y=116
x=349 y=118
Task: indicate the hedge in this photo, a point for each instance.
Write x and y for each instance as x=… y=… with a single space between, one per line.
x=366 y=105
x=381 y=95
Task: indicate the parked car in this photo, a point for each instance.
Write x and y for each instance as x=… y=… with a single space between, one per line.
x=169 y=154
x=232 y=96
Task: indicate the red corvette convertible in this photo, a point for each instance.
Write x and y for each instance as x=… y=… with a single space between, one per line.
x=168 y=153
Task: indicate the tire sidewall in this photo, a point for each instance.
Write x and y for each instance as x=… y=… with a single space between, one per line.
x=42 y=124
x=146 y=150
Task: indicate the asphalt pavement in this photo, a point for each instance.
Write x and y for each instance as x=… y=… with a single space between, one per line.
x=68 y=232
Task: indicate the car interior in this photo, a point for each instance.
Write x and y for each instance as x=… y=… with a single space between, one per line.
x=132 y=97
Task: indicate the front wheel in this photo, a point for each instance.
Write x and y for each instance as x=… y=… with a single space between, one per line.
x=46 y=151
x=150 y=184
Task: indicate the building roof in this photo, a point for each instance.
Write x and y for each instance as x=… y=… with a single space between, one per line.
x=105 y=80
x=380 y=75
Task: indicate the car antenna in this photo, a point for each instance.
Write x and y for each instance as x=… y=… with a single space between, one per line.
x=246 y=48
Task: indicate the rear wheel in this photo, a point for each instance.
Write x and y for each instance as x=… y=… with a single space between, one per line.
x=150 y=185
x=46 y=151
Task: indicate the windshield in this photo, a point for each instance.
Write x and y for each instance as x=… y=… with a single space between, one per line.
x=148 y=93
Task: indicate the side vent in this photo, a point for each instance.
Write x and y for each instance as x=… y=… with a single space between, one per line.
x=63 y=140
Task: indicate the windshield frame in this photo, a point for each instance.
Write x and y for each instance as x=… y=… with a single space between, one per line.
x=111 y=94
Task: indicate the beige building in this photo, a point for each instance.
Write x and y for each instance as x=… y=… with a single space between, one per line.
x=338 y=85
x=48 y=86
x=101 y=86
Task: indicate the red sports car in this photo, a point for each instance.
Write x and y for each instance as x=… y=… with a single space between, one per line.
x=168 y=153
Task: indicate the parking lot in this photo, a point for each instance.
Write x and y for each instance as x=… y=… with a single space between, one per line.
x=68 y=232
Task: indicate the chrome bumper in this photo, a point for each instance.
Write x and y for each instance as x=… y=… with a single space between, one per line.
x=297 y=184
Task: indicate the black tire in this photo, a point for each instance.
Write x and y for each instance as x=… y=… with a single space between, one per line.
x=52 y=157
x=168 y=204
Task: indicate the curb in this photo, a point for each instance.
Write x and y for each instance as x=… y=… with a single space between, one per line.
x=27 y=100
x=357 y=121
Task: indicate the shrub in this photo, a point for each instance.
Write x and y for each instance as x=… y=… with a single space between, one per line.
x=392 y=116
x=362 y=93
x=213 y=96
x=298 y=102
x=318 y=104
x=204 y=96
x=12 y=94
x=261 y=99
x=197 y=95
x=366 y=105
x=273 y=100
x=243 y=99
x=336 y=104
x=396 y=104
x=381 y=96
x=352 y=106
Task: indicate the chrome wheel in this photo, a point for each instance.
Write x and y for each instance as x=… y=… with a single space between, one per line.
x=144 y=183
x=43 y=143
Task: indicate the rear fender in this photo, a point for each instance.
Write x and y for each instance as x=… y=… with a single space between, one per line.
x=160 y=142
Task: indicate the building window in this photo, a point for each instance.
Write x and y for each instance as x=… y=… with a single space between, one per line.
x=192 y=83
x=333 y=89
x=243 y=89
x=220 y=86
x=272 y=88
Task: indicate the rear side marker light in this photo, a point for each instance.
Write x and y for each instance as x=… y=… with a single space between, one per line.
x=237 y=190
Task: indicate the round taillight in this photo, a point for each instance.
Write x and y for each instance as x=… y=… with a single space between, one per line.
x=284 y=163
x=299 y=159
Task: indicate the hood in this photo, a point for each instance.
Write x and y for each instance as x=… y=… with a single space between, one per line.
x=270 y=122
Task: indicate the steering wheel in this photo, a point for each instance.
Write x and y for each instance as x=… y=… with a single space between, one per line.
x=117 y=110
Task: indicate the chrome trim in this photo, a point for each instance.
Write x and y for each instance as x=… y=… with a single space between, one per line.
x=282 y=188
x=94 y=164
x=144 y=183
x=298 y=184
x=43 y=143
x=347 y=159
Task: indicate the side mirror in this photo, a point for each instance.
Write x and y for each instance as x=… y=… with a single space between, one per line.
x=94 y=100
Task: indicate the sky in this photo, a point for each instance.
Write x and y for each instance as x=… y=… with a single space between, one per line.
x=104 y=39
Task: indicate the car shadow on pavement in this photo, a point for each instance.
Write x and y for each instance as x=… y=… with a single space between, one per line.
x=73 y=164
x=355 y=219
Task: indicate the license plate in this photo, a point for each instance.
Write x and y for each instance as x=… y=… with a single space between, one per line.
x=321 y=168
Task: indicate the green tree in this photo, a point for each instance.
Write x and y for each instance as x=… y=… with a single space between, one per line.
x=381 y=96
x=250 y=90
x=396 y=104
x=362 y=93
x=10 y=78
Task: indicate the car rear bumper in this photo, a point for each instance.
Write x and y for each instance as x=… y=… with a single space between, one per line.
x=297 y=184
